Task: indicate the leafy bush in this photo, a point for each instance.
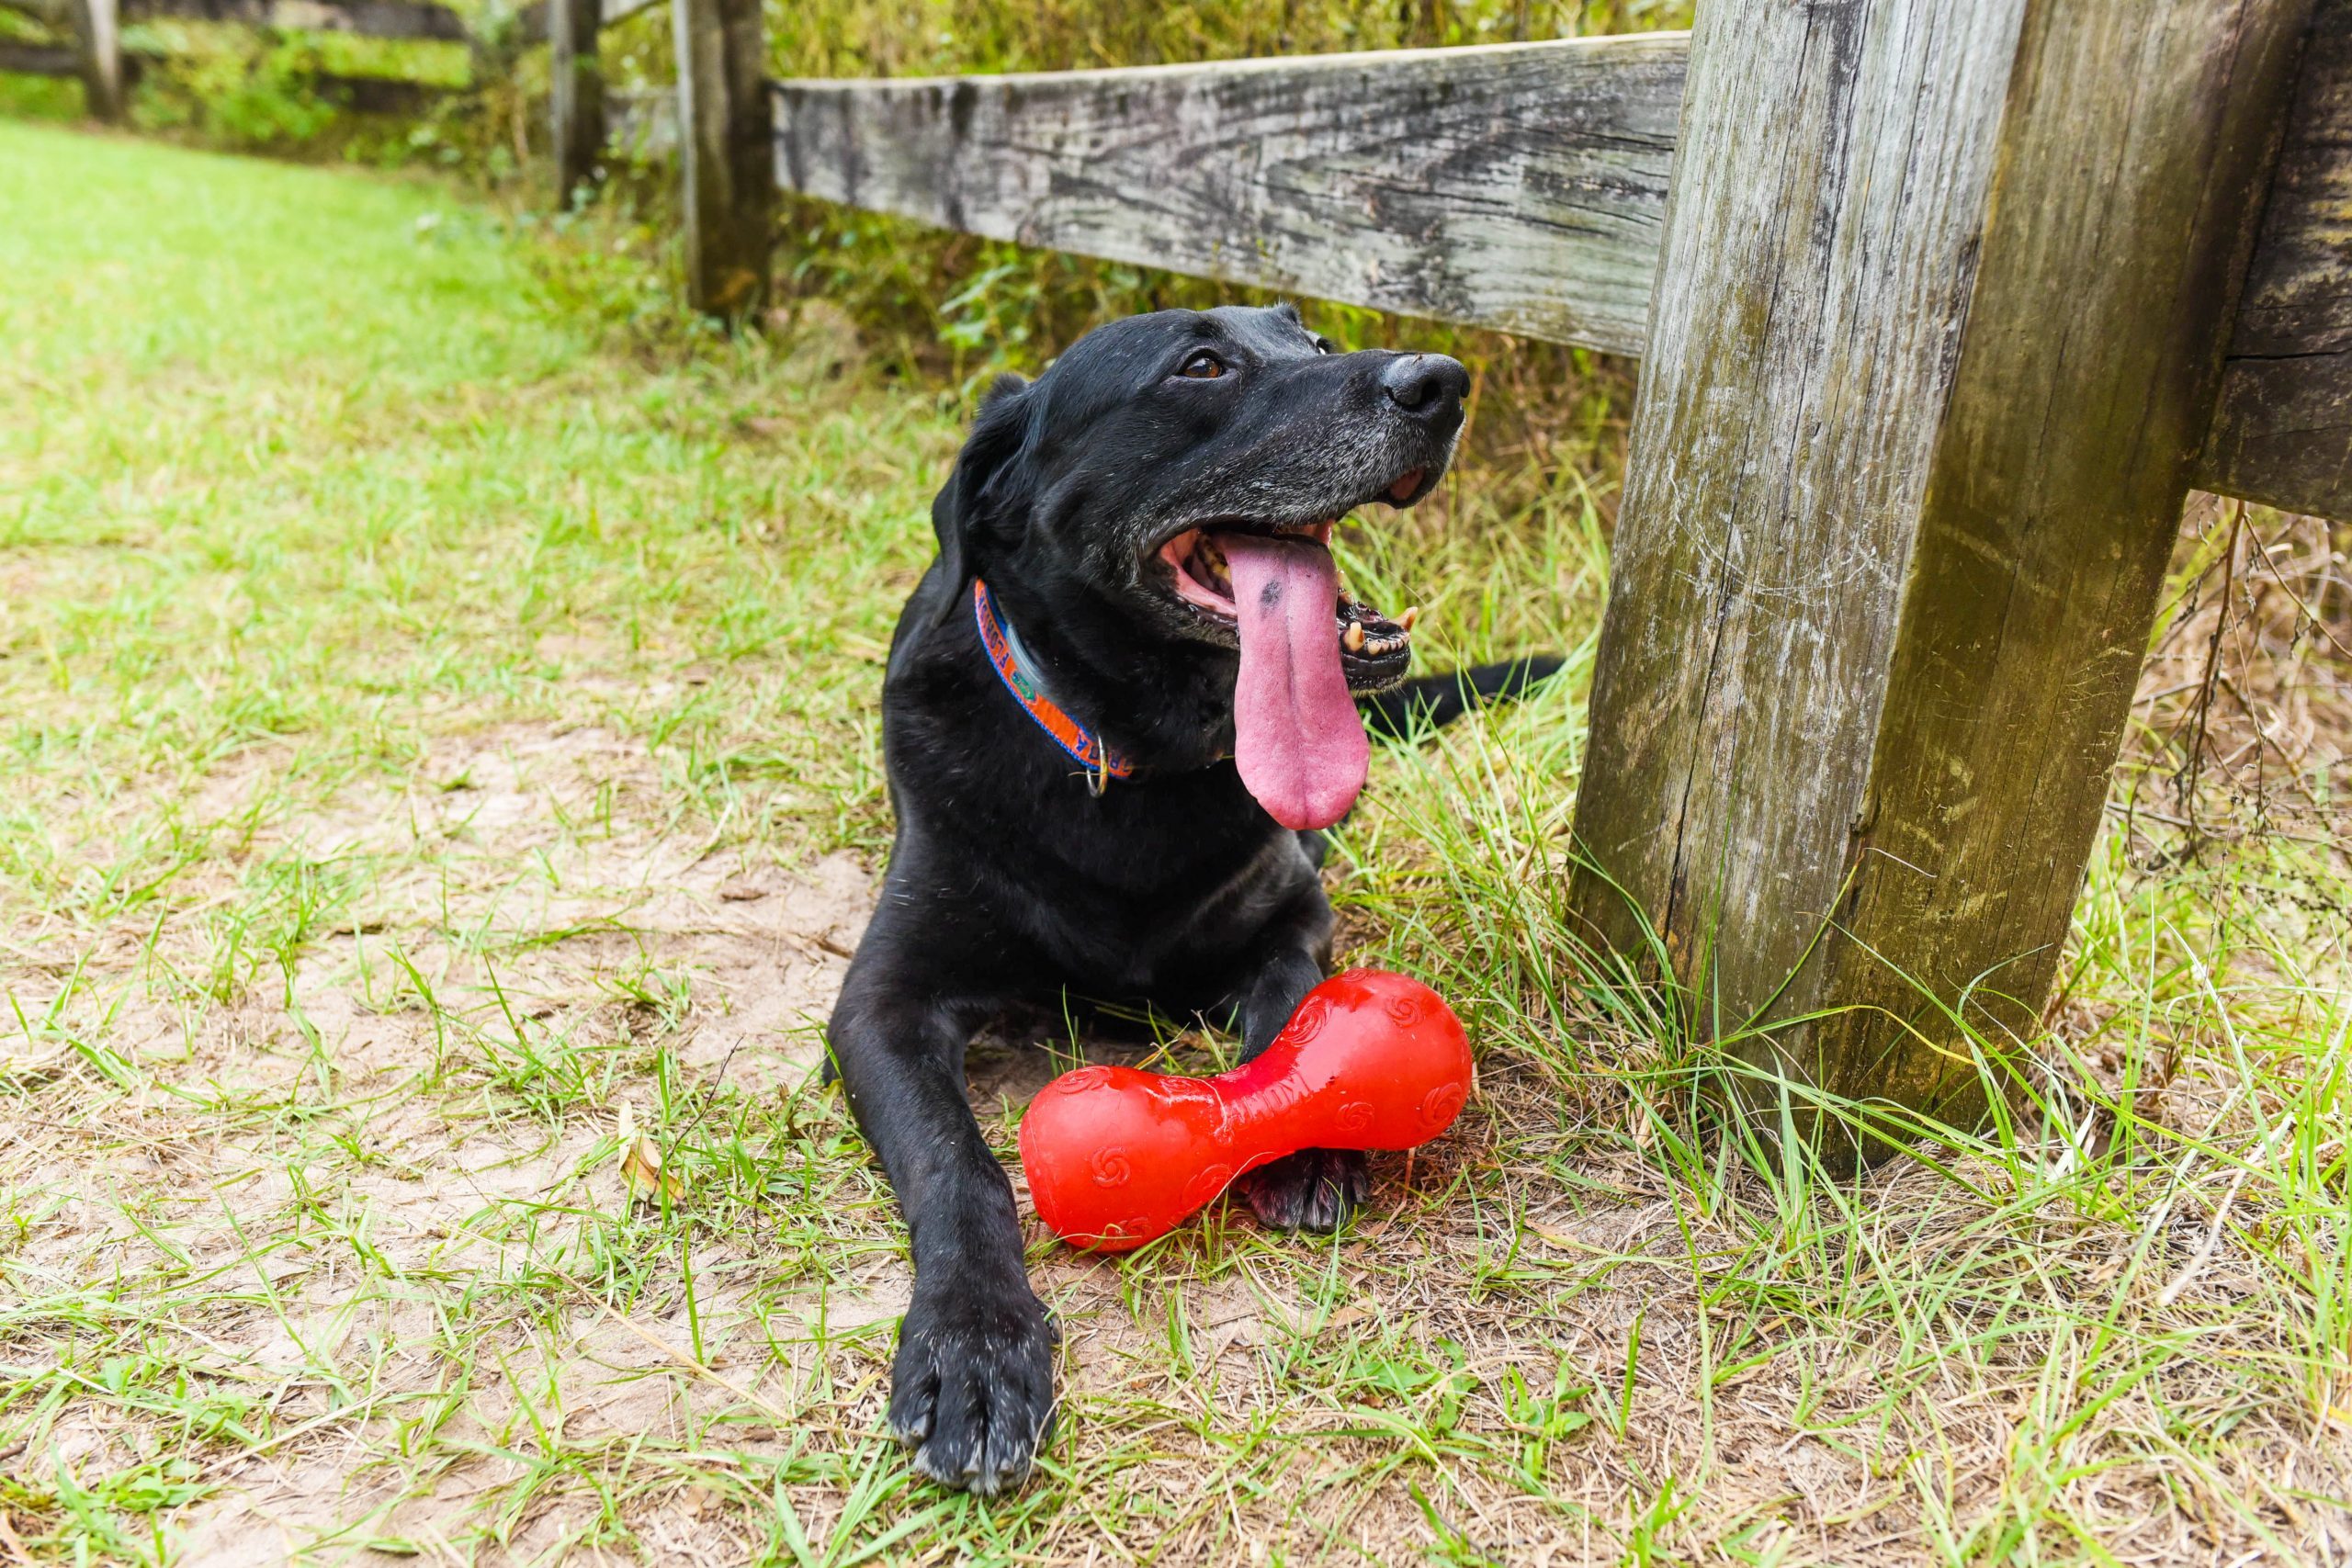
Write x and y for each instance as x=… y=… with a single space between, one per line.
x=893 y=37
x=230 y=85
x=40 y=97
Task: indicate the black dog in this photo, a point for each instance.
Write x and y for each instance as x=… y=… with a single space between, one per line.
x=1132 y=551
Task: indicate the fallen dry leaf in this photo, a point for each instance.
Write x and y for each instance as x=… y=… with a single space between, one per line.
x=642 y=1171
x=17 y=1552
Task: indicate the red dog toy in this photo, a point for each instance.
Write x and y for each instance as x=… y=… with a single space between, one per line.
x=1116 y=1155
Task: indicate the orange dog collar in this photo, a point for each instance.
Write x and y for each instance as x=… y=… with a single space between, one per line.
x=1102 y=760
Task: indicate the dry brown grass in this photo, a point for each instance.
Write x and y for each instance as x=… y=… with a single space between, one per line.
x=2242 y=725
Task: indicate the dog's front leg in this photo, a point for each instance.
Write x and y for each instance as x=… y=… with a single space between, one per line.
x=1314 y=1189
x=972 y=1389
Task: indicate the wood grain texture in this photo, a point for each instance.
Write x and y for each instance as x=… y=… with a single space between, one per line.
x=98 y=36
x=1519 y=186
x=726 y=156
x=1944 y=289
x=412 y=19
x=2282 y=432
x=1818 y=264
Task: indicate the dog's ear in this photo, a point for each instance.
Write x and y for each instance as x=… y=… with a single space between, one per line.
x=959 y=512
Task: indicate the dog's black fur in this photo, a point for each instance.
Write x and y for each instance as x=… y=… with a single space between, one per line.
x=1012 y=879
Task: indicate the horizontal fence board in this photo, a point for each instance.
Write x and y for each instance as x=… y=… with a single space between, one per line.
x=2282 y=434
x=362 y=95
x=1521 y=187
x=412 y=20
x=533 y=18
x=382 y=95
x=39 y=60
x=641 y=122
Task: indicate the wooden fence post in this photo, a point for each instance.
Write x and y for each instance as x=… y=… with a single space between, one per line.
x=98 y=36
x=1935 y=341
x=575 y=96
x=726 y=147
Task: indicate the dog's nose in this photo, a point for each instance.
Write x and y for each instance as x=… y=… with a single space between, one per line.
x=1427 y=386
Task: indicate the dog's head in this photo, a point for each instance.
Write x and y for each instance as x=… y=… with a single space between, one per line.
x=1162 y=501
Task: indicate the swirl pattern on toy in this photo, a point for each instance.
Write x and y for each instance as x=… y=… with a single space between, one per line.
x=1116 y=1156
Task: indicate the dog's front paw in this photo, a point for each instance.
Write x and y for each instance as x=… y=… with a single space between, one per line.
x=972 y=1390
x=1314 y=1189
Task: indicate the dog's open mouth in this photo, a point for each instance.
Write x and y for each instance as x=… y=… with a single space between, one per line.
x=1307 y=646
x=1374 y=648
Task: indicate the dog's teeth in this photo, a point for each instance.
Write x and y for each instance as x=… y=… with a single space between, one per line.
x=1354 y=638
x=1413 y=613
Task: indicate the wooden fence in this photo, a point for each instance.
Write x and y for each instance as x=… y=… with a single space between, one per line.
x=92 y=48
x=1943 y=307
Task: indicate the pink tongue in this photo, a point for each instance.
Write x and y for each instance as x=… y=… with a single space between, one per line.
x=1297 y=739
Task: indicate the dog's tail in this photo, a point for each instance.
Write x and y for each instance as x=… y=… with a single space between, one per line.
x=1430 y=701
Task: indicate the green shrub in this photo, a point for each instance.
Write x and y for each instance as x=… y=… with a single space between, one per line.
x=230 y=85
x=40 y=97
x=893 y=37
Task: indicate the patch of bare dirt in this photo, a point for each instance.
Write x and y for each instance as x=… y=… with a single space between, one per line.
x=514 y=897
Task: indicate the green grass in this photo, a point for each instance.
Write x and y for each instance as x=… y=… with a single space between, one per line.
x=437 y=687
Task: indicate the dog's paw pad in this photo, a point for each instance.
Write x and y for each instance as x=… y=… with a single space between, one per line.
x=972 y=1389
x=1314 y=1189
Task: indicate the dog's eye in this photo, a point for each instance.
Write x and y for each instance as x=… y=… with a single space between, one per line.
x=1203 y=366
x=1323 y=345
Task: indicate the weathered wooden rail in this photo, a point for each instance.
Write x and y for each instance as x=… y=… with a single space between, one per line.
x=1943 y=305
x=1453 y=183
x=410 y=20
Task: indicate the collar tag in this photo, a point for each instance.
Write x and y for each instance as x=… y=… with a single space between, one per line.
x=1019 y=671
